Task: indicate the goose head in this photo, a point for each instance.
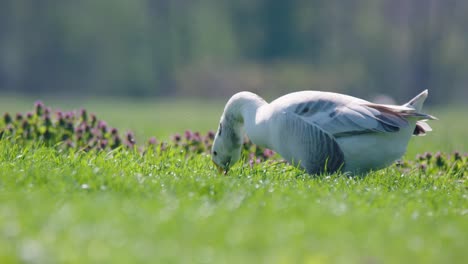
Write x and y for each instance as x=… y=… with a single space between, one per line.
x=226 y=150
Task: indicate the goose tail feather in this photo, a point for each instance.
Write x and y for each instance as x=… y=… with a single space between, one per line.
x=421 y=128
x=418 y=101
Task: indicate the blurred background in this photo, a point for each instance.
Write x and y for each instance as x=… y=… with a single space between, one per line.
x=214 y=48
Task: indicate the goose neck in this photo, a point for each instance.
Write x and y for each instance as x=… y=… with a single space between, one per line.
x=246 y=109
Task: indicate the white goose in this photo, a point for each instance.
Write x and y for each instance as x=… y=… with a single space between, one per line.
x=320 y=131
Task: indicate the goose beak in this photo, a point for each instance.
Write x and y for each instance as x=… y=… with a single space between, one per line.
x=220 y=169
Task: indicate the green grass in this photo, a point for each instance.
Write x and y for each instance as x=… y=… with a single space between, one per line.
x=170 y=207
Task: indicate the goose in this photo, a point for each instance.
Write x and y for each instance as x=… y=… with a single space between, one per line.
x=320 y=132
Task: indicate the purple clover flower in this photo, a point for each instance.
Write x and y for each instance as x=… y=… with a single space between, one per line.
x=60 y=118
x=152 y=141
x=69 y=127
x=177 y=138
x=102 y=125
x=95 y=132
x=162 y=146
x=79 y=130
x=61 y=121
x=93 y=120
x=19 y=116
x=69 y=116
x=439 y=159
x=39 y=107
x=188 y=135
x=10 y=128
x=211 y=135
x=47 y=111
x=251 y=163
x=7 y=118
x=103 y=144
x=117 y=142
x=130 y=139
x=428 y=155
x=196 y=137
x=25 y=125
x=83 y=114
x=268 y=153
x=252 y=159
x=420 y=157
x=87 y=128
x=47 y=121
x=423 y=167
x=114 y=131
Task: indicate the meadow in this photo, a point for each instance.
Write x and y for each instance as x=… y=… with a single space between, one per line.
x=171 y=206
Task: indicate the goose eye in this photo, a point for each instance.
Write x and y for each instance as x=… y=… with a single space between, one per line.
x=215 y=153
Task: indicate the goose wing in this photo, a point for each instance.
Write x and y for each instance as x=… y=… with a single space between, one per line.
x=349 y=116
x=306 y=144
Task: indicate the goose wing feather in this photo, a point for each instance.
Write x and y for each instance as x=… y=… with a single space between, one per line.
x=307 y=145
x=343 y=116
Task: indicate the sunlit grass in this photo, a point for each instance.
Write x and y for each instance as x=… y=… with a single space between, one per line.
x=122 y=207
x=66 y=206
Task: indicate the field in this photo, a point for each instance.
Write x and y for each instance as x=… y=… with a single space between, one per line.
x=172 y=207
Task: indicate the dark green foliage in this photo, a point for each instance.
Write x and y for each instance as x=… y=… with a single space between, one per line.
x=211 y=47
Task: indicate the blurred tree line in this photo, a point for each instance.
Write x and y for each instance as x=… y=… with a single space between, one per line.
x=218 y=47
